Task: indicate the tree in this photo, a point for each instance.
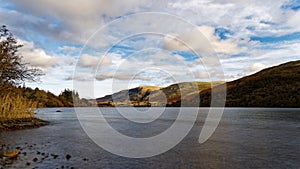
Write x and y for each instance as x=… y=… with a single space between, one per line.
x=68 y=97
x=13 y=70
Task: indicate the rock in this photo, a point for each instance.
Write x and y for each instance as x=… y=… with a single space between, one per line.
x=54 y=156
x=68 y=156
x=35 y=159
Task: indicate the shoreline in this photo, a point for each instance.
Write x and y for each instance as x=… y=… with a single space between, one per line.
x=21 y=124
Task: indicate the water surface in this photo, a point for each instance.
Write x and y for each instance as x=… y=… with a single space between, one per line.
x=245 y=138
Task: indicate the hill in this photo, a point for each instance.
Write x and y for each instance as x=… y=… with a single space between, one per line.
x=277 y=86
x=132 y=97
x=153 y=96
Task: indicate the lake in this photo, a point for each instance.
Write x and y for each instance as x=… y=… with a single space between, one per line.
x=244 y=138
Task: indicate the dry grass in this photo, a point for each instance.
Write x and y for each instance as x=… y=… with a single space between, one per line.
x=16 y=107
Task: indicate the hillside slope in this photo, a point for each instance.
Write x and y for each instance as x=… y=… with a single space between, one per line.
x=277 y=86
x=132 y=97
x=154 y=96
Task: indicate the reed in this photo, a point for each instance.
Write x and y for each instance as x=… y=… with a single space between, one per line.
x=16 y=107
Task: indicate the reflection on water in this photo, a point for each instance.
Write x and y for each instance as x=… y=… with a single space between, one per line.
x=245 y=138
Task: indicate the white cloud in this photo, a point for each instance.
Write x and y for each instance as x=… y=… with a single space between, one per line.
x=194 y=40
x=153 y=68
x=80 y=77
x=265 y=17
x=256 y=67
x=69 y=49
x=36 y=56
x=294 y=21
x=228 y=46
x=118 y=76
x=187 y=41
x=76 y=20
x=87 y=60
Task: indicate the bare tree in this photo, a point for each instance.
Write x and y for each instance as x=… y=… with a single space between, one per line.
x=13 y=71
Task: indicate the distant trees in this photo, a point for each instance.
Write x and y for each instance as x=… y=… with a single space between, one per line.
x=48 y=99
x=13 y=71
x=71 y=98
x=67 y=96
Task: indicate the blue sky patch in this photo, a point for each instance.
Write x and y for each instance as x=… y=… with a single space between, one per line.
x=122 y=50
x=7 y=5
x=189 y=56
x=223 y=33
x=275 y=39
x=292 y=5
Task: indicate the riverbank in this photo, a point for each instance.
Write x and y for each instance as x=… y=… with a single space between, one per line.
x=24 y=123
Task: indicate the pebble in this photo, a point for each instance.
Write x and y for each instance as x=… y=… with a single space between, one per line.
x=35 y=159
x=68 y=156
x=54 y=156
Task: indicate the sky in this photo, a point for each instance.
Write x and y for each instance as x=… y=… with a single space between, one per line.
x=98 y=47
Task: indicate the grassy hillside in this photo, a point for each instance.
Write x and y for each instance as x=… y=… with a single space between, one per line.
x=132 y=97
x=154 y=96
x=277 y=86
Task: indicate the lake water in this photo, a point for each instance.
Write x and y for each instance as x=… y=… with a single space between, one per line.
x=245 y=138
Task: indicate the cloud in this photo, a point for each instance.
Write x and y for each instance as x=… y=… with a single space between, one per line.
x=208 y=61
x=83 y=77
x=149 y=68
x=117 y=76
x=244 y=18
x=51 y=28
x=228 y=46
x=187 y=41
x=36 y=56
x=256 y=67
x=90 y=61
x=75 y=20
x=294 y=21
x=70 y=49
x=194 y=40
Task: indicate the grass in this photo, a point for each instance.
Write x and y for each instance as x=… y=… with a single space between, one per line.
x=16 y=107
x=17 y=112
